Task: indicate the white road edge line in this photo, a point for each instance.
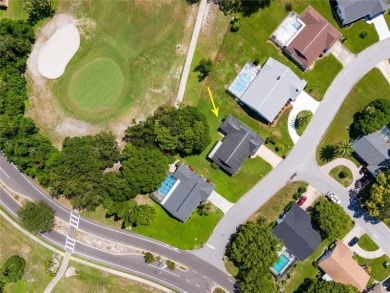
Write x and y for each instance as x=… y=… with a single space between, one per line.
x=164 y=270
x=210 y=246
x=1 y=169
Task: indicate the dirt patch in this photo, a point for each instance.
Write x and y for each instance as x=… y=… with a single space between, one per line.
x=70 y=272
x=143 y=199
x=61 y=226
x=103 y=244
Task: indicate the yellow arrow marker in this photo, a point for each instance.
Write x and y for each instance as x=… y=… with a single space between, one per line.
x=215 y=110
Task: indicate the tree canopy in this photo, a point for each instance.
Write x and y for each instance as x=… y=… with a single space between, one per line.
x=372 y=118
x=37 y=217
x=12 y=270
x=38 y=9
x=253 y=249
x=247 y=7
x=204 y=68
x=331 y=219
x=184 y=130
x=378 y=201
x=320 y=286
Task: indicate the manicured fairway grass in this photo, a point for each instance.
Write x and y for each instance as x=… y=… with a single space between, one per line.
x=89 y=279
x=347 y=181
x=134 y=45
x=367 y=243
x=188 y=235
x=95 y=89
x=371 y=87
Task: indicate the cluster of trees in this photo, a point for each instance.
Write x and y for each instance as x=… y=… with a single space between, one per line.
x=36 y=217
x=378 y=200
x=204 y=68
x=331 y=219
x=12 y=270
x=373 y=117
x=182 y=131
x=320 y=286
x=252 y=250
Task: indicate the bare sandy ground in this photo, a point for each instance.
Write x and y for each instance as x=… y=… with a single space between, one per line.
x=58 y=50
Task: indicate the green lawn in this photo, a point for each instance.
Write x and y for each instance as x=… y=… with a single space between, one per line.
x=230 y=187
x=14 y=10
x=188 y=235
x=335 y=173
x=275 y=205
x=94 y=90
x=89 y=279
x=371 y=87
x=378 y=271
x=300 y=127
x=367 y=243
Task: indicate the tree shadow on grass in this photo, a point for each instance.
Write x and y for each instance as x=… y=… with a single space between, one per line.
x=327 y=153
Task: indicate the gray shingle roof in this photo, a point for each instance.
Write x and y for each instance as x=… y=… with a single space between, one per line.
x=188 y=194
x=352 y=10
x=272 y=88
x=374 y=151
x=239 y=143
x=297 y=233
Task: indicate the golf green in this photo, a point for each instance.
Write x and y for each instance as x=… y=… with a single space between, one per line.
x=94 y=90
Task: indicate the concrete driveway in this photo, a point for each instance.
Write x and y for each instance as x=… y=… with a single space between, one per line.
x=342 y=54
x=269 y=156
x=381 y=27
x=220 y=202
x=303 y=102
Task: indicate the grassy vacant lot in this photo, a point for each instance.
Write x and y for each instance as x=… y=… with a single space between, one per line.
x=335 y=173
x=95 y=89
x=274 y=207
x=230 y=187
x=371 y=87
x=14 y=242
x=378 y=271
x=188 y=235
x=89 y=279
x=367 y=243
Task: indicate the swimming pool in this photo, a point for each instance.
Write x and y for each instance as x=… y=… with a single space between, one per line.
x=281 y=263
x=166 y=185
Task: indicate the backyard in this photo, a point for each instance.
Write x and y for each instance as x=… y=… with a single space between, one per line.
x=371 y=87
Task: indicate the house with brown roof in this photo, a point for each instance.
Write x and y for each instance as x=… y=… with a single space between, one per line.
x=340 y=267
x=306 y=37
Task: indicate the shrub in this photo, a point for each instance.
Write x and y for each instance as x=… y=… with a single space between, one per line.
x=302 y=189
x=343 y=40
x=215 y=165
x=288 y=6
x=171 y=265
x=256 y=61
x=296 y=195
x=343 y=174
x=363 y=34
x=288 y=206
x=149 y=258
x=235 y=26
x=13 y=269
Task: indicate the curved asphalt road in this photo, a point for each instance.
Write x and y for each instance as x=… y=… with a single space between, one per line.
x=301 y=163
x=200 y=276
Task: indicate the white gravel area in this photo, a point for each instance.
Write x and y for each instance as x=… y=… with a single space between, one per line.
x=58 y=51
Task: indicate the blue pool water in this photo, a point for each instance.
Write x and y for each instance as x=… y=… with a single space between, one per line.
x=166 y=185
x=242 y=83
x=281 y=263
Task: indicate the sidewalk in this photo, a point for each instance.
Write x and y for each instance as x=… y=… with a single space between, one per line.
x=191 y=51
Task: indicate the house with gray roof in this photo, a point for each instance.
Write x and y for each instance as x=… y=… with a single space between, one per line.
x=349 y=11
x=239 y=143
x=374 y=150
x=182 y=192
x=297 y=233
x=272 y=88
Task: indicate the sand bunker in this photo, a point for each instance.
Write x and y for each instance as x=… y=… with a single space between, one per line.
x=58 y=51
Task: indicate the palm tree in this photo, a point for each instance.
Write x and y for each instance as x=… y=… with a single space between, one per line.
x=344 y=148
x=306 y=116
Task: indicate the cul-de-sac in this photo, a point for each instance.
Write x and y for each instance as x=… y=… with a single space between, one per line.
x=195 y=146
